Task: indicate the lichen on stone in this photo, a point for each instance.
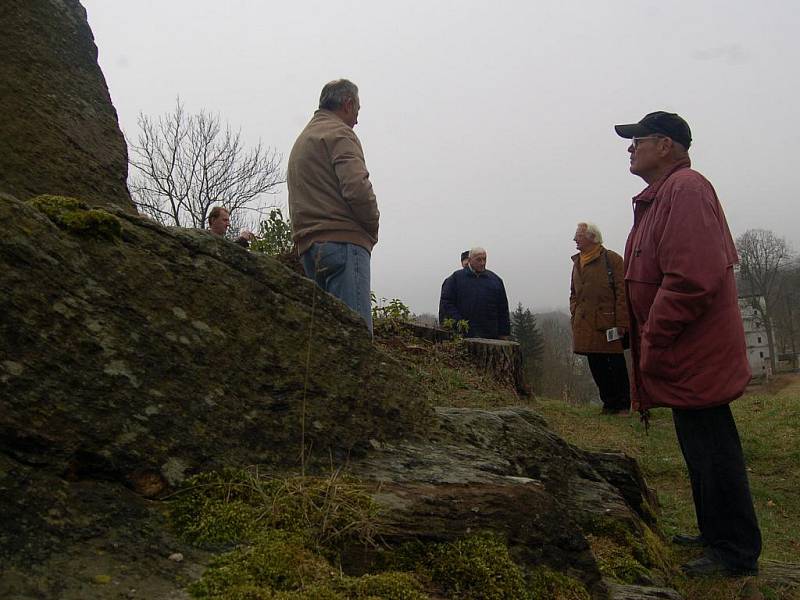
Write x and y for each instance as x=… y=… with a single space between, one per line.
x=77 y=217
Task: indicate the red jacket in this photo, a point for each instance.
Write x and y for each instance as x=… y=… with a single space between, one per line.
x=687 y=337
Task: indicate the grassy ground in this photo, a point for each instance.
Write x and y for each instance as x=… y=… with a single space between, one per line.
x=768 y=418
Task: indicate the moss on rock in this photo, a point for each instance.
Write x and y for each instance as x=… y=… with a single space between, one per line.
x=616 y=561
x=277 y=560
x=391 y=585
x=216 y=509
x=547 y=584
x=475 y=567
x=76 y=217
x=623 y=555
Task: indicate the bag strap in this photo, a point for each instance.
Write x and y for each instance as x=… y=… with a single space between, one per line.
x=611 y=284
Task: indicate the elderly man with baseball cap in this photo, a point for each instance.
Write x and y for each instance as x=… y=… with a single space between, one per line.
x=687 y=338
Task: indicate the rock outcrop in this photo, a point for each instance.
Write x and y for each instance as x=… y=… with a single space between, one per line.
x=133 y=355
x=59 y=130
x=137 y=353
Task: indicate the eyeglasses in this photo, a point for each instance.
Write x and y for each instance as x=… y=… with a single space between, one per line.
x=638 y=140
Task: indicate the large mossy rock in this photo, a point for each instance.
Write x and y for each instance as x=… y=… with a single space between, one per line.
x=137 y=353
x=59 y=130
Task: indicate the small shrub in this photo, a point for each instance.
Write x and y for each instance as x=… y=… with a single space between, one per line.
x=275 y=235
x=458 y=328
x=389 y=317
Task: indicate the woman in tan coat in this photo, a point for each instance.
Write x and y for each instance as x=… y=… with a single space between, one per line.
x=600 y=316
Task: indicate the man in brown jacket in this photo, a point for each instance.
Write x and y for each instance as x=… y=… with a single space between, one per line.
x=600 y=316
x=332 y=206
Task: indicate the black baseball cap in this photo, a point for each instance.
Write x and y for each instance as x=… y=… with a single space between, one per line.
x=465 y=254
x=659 y=122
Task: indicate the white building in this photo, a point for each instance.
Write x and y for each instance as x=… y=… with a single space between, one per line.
x=755 y=334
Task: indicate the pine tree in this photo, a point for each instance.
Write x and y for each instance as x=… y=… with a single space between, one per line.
x=526 y=332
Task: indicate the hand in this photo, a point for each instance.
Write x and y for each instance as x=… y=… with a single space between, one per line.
x=246 y=234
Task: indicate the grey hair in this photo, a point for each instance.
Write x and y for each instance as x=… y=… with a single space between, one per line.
x=336 y=93
x=476 y=250
x=592 y=231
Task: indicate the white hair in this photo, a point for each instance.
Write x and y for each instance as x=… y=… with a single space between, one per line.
x=592 y=231
x=476 y=250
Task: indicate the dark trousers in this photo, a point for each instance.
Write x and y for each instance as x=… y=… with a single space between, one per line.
x=713 y=453
x=611 y=376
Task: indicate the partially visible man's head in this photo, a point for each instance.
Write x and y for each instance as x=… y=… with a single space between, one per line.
x=341 y=97
x=465 y=258
x=218 y=220
x=477 y=259
x=657 y=141
x=587 y=236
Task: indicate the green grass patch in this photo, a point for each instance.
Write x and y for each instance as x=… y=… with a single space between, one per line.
x=768 y=419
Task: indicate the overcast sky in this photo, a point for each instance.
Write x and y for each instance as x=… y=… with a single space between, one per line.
x=486 y=123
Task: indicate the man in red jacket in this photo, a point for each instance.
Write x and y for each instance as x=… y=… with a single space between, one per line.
x=687 y=337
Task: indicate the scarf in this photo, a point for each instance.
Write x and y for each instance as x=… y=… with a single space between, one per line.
x=589 y=256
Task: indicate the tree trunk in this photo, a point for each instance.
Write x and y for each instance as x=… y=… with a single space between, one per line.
x=502 y=359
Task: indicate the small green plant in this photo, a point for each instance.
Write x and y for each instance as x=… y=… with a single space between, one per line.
x=459 y=329
x=389 y=316
x=274 y=235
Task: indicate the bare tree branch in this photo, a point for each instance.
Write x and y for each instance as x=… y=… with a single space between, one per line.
x=183 y=165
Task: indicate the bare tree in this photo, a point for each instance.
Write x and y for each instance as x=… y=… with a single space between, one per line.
x=183 y=165
x=762 y=256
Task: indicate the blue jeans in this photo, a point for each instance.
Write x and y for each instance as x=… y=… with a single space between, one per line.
x=342 y=269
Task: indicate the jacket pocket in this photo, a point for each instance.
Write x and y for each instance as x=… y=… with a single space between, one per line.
x=603 y=319
x=657 y=361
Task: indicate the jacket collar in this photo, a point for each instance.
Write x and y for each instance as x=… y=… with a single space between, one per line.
x=577 y=257
x=648 y=194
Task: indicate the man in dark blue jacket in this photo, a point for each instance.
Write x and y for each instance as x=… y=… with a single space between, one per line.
x=478 y=296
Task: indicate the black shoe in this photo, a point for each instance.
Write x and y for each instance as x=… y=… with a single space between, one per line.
x=684 y=539
x=707 y=566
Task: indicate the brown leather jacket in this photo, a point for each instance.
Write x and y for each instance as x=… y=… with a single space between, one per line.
x=592 y=304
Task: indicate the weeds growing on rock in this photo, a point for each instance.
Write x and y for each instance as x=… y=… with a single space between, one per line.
x=234 y=506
